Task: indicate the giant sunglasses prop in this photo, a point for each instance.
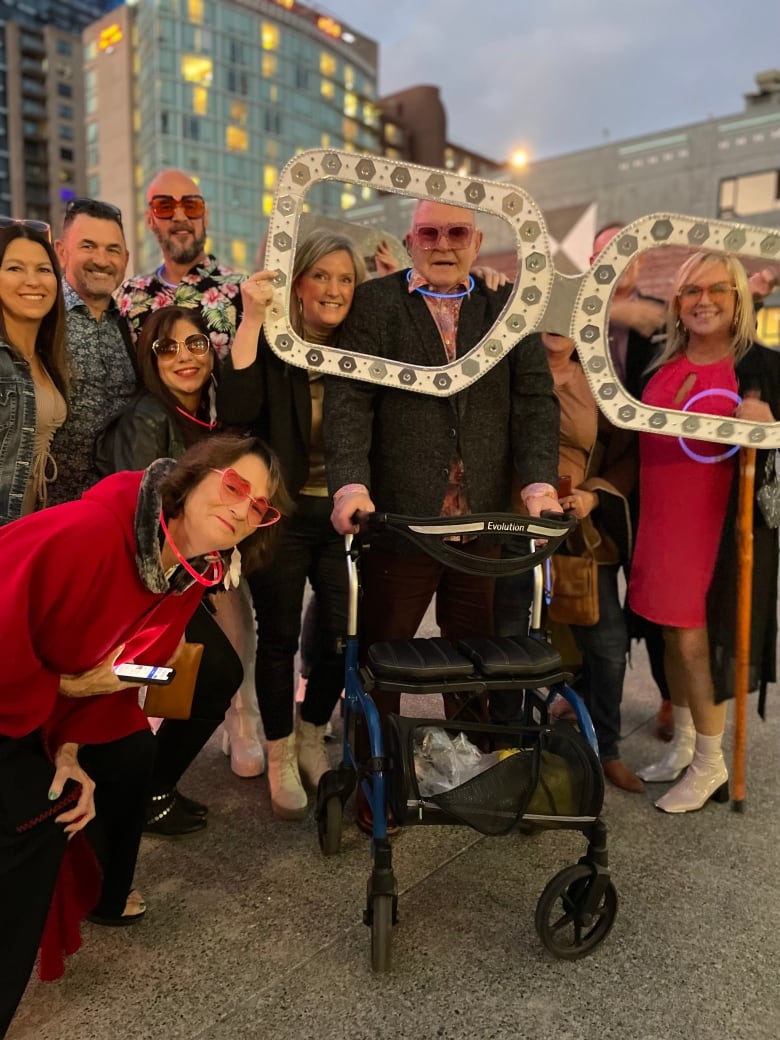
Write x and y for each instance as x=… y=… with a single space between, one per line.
x=577 y=306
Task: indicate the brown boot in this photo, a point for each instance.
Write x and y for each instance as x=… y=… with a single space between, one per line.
x=618 y=773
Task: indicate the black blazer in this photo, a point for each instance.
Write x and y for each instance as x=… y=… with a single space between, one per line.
x=272 y=399
x=400 y=444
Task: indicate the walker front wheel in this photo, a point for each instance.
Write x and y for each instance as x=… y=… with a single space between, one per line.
x=568 y=927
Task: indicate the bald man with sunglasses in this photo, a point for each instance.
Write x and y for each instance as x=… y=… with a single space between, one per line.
x=177 y=216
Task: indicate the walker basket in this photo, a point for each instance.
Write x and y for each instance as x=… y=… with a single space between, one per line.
x=550 y=776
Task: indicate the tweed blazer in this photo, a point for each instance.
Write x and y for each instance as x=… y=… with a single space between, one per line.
x=400 y=444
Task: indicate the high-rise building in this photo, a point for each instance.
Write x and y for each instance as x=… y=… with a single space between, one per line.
x=227 y=92
x=41 y=104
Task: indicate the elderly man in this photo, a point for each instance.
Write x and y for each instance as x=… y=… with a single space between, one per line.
x=93 y=256
x=177 y=216
x=420 y=455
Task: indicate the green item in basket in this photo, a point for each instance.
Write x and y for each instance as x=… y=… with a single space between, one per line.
x=554 y=794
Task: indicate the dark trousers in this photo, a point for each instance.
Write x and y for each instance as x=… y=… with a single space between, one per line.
x=122 y=771
x=309 y=548
x=30 y=861
x=397 y=590
x=179 y=741
x=512 y=605
x=604 y=648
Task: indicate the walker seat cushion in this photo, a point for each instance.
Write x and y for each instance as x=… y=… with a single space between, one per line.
x=423 y=660
x=520 y=657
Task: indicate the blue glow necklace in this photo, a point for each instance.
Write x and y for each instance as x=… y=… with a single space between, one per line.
x=442 y=295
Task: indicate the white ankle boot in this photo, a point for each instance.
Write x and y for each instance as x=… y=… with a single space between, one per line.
x=704 y=779
x=288 y=798
x=239 y=737
x=312 y=757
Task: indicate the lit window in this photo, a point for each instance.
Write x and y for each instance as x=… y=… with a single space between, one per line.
x=349 y=129
x=269 y=177
x=349 y=77
x=327 y=89
x=196 y=68
x=195 y=10
x=236 y=139
x=269 y=66
x=238 y=252
x=325 y=141
x=350 y=104
x=268 y=205
x=369 y=113
x=269 y=34
x=348 y=200
x=274 y=93
x=327 y=64
x=238 y=112
x=200 y=101
x=91 y=50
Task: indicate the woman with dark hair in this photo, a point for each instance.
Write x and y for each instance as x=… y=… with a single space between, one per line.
x=110 y=578
x=176 y=408
x=682 y=555
x=33 y=365
x=283 y=404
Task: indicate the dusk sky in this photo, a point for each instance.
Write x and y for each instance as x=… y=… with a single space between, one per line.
x=561 y=75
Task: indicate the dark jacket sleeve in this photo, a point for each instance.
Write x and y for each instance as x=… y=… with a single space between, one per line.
x=535 y=414
x=240 y=391
x=136 y=437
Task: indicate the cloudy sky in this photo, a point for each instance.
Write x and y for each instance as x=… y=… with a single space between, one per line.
x=559 y=75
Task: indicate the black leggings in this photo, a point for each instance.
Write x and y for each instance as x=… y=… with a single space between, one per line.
x=179 y=741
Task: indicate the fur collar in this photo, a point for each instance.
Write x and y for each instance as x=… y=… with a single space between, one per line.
x=148 y=556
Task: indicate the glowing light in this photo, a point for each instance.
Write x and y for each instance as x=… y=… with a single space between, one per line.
x=519 y=158
x=110 y=37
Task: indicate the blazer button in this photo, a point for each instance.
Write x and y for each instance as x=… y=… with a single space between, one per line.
x=445 y=472
x=453 y=433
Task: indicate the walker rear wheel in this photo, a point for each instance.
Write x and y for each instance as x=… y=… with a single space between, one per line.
x=565 y=925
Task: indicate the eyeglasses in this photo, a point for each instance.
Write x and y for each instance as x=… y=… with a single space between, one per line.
x=33 y=225
x=92 y=208
x=196 y=344
x=456 y=236
x=164 y=206
x=233 y=490
x=715 y=292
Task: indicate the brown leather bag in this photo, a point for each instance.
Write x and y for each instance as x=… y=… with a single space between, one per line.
x=174 y=701
x=575 y=589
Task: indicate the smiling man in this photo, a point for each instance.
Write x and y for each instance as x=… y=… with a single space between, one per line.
x=424 y=456
x=177 y=216
x=93 y=256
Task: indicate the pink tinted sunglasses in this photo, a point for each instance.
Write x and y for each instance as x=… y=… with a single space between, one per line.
x=233 y=490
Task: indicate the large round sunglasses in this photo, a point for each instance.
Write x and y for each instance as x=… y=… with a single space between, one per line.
x=196 y=344
x=233 y=490
x=164 y=206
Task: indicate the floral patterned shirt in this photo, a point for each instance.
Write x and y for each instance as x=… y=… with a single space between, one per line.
x=213 y=288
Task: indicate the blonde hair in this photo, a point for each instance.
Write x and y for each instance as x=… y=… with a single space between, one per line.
x=744 y=326
x=318 y=244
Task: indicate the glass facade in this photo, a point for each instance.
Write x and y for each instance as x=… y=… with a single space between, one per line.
x=230 y=92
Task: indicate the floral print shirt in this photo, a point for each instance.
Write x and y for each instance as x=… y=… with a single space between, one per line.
x=210 y=286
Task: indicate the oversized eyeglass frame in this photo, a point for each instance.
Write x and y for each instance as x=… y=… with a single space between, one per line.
x=456 y=236
x=164 y=206
x=576 y=306
x=233 y=490
x=197 y=344
x=39 y=226
x=695 y=292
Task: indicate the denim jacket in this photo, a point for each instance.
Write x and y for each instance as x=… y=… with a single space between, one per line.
x=17 y=432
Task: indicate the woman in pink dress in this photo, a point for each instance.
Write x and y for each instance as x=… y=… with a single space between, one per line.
x=683 y=504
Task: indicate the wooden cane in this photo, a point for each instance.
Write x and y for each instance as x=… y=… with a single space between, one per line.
x=747 y=478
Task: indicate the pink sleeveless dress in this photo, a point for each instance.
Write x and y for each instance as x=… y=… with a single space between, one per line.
x=682 y=502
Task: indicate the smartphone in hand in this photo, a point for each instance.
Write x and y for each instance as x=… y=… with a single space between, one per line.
x=145 y=674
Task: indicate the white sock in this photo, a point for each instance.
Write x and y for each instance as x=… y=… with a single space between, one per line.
x=708 y=749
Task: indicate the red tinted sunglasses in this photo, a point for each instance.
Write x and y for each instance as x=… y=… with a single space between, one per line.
x=164 y=206
x=233 y=490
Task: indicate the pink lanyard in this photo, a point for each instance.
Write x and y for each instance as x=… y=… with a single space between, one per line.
x=200 y=578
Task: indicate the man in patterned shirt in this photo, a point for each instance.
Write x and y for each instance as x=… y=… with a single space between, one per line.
x=93 y=256
x=188 y=276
